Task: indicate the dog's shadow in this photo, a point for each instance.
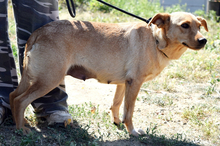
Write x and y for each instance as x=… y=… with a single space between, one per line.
x=79 y=135
x=63 y=135
x=42 y=134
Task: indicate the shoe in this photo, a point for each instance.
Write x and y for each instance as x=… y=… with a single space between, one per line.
x=2 y=114
x=60 y=117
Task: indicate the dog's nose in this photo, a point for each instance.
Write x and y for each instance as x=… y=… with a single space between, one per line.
x=202 y=41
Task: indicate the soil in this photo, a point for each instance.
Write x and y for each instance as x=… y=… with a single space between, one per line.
x=167 y=118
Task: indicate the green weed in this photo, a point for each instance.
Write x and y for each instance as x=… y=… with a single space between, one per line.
x=154 y=139
x=213 y=82
x=203 y=116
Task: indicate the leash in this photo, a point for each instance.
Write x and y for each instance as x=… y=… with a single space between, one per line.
x=71 y=8
x=72 y=12
x=123 y=11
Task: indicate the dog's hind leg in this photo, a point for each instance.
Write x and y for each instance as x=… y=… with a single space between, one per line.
x=39 y=85
x=20 y=90
x=13 y=95
x=119 y=94
x=131 y=91
x=35 y=91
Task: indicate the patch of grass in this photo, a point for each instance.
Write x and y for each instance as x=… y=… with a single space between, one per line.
x=196 y=114
x=213 y=83
x=12 y=31
x=31 y=139
x=163 y=100
x=141 y=8
x=107 y=131
x=204 y=117
x=87 y=115
x=161 y=140
x=89 y=128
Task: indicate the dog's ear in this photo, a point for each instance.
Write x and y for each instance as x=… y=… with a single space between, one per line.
x=203 y=23
x=161 y=20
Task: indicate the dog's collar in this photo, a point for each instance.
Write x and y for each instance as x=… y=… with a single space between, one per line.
x=157 y=42
x=163 y=53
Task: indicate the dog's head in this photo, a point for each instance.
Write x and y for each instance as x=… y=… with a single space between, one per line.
x=178 y=31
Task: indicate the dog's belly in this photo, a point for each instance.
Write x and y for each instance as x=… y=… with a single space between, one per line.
x=82 y=73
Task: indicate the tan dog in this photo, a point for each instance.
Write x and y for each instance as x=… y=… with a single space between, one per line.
x=123 y=54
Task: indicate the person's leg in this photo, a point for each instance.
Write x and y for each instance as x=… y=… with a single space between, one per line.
x=29 y=16
x=8 y=75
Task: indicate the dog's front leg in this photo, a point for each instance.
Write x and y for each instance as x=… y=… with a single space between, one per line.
x=119 y=94
x=131 y=91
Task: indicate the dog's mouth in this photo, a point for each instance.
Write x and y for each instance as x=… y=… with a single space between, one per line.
x=185 y=44
x=194 y=48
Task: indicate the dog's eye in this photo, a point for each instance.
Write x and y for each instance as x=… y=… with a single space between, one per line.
x=185 y=25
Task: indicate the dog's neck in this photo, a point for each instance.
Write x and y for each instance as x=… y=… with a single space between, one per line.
x=164 y=54
x=159 y=39
x=157 y=43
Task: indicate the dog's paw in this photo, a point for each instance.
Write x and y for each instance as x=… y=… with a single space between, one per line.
x=137 y=132
x=120 y=126
x=26 y=130
x=26 y=122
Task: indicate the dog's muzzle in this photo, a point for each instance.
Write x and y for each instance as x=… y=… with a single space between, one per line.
x=202 y=41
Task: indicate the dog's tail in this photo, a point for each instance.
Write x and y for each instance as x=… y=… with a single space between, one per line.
x=25 y=80
x=29 y=45
x=32 y=39
x=23 y=85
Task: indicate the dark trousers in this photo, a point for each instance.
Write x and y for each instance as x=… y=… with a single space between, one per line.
x=29 y=15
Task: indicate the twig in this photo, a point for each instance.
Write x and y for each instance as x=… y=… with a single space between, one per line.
x=152 y=91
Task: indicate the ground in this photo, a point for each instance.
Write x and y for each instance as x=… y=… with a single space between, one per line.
x=155 y=112
x=168 y=115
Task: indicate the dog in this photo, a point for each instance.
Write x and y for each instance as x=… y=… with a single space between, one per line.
x=125 y=54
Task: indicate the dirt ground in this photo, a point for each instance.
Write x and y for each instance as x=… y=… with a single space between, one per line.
x=168 y=118
x=89 y=91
